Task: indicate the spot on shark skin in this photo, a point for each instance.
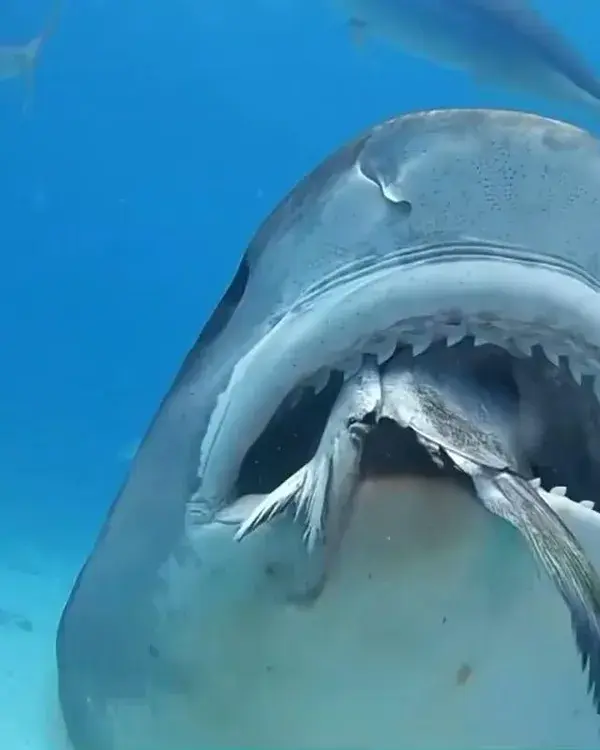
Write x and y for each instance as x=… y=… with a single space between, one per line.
x=463 y=674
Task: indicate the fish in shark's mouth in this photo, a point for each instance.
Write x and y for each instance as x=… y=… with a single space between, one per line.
x=467 y=416
x=456 y=237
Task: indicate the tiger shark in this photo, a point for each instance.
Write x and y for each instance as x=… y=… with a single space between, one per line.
x=504 y=42
x=424 y=621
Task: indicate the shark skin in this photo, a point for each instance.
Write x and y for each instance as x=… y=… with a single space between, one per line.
x=433 y=627
x=472 y=649
x=503 y=42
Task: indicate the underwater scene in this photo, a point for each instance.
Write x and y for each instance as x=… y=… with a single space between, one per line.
x=300 y=383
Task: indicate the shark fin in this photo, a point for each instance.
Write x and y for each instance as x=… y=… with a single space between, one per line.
x=31 y=52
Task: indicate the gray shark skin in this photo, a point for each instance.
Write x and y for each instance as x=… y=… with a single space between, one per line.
x=504 y=41
x=475 y=230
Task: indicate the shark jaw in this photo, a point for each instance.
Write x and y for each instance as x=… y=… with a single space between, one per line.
x=428 y=601
x=436 y=227
x=503 y=301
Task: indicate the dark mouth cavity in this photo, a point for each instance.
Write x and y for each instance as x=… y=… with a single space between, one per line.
x=569 y=452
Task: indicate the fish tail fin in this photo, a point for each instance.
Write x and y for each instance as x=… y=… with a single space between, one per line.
x=31 y=53
x=274 y=503
x=559 y=554
x=32 y=49
x=51 y=23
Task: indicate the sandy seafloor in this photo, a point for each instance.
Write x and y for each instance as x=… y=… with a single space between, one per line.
x=33 y=590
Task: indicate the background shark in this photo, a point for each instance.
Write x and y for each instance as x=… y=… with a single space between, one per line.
x=471 y=230
x=500 y=41
x=20 y=60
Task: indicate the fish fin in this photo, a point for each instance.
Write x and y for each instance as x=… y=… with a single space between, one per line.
x=31 y=51
x=558 y=552
x=273 y=504
x=28 y=74
x=51 y=23
x=306 y=489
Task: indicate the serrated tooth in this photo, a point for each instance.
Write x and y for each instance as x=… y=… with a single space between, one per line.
x=575 y=371
x=490 y=335
x=587 y=504
x=535 y=483
x=559 y=490
x=455 y=334
x=319 y=380
x=422 y=344
x=351 y=366
x=383 y=350
x=524 y=346
x=294 y=398
x=551 y=356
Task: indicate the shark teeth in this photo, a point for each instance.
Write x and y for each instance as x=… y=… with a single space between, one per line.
x=525 y=346
x=561 y=491
x=319 y=380
x=454 y=334
x=421 y=343
x=576 y=371
x=383 y=348
x=417 y=336
x=351 y=365
x=552 y=357
x=558 y=491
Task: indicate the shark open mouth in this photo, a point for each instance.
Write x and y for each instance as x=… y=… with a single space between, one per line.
x=561 y=452
x=474 y=410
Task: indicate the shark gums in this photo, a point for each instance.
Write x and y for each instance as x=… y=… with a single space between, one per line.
x=363 y=514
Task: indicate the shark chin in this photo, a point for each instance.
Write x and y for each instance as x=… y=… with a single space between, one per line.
x=463 y=235
x=435 y=630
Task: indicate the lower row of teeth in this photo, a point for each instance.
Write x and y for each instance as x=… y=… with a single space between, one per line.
x=559 y=491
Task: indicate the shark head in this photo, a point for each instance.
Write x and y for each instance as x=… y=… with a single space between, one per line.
x=469 y=230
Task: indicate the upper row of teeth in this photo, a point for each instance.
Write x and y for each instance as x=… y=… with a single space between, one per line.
x=383 y=349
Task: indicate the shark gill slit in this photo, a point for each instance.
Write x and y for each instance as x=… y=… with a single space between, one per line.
x=567 y=367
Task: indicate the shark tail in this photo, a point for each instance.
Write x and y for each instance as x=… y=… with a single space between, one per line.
x=51 y=23
x=31 y=53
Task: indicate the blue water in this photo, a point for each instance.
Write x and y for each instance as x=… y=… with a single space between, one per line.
x=161 y=134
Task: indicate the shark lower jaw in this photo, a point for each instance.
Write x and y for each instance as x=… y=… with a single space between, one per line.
x=541 y=331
